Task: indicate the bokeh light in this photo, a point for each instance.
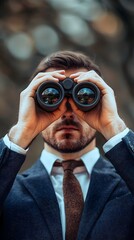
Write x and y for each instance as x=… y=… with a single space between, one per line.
x=76 y=29
x=46 y=39
x=20 y=45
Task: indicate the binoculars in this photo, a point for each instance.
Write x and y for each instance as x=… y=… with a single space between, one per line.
x=50 y=94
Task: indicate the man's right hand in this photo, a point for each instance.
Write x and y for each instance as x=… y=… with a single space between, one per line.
x=31 y=119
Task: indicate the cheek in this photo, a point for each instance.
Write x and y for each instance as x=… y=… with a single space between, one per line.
x=47 y=133
x=88 y=131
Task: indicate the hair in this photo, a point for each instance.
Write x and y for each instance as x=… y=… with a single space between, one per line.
x=66 y=60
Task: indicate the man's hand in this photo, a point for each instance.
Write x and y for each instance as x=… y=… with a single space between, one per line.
x=32 y=120
x=104 y=117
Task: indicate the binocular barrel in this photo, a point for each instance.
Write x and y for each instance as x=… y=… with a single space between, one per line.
x=50 y=94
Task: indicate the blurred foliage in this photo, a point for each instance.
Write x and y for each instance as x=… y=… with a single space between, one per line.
x=31 y=29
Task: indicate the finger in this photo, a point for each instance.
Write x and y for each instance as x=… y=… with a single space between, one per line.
x=58 y=71
x=86 y=75
x=48 y=76
x=75 y=75
x=93 y=77
x=55 y=76
x=41 y=74
x=44 y=79
x=59 y=76
x=33 y=86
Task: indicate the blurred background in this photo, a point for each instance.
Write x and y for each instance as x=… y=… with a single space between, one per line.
x=31 y=29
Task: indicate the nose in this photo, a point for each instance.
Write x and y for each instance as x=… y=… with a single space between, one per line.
x=69 y=112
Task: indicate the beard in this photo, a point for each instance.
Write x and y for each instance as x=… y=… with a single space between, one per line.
x=68 y=146
x=68 y=143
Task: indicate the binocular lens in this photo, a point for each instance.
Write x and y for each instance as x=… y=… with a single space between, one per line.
x=50 y=96
x=86 y=96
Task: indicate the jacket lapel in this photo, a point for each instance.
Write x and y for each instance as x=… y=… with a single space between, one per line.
x=40 y=187
x=102 y=184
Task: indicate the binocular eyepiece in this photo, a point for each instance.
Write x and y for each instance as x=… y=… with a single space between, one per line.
x=50 y=94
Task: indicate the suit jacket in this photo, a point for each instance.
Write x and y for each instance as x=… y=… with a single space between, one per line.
x=30 y=211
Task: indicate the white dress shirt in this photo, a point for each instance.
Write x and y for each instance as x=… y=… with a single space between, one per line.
x=82 y=173
x=56 y=175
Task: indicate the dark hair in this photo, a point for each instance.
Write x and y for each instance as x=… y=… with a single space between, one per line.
x=66 y=60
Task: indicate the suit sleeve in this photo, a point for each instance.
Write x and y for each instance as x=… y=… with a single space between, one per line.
x=10 y=164
x=122 y=157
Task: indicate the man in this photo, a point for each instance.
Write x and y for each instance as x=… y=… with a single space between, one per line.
x=33 y=203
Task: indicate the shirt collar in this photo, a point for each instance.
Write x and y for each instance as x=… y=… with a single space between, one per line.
x=89 y=159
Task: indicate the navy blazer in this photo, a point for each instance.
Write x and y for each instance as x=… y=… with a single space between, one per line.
x=29 y=209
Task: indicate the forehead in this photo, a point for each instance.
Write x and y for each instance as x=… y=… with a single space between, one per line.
x=68 y=72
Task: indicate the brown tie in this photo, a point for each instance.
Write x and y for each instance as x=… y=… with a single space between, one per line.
x=73 y=198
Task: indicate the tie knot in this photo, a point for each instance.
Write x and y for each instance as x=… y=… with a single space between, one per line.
x=71 y=164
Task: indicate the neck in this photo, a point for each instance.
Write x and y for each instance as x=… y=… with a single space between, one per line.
x=75 y=155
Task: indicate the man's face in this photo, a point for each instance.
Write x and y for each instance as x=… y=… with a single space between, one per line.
x=69 y=133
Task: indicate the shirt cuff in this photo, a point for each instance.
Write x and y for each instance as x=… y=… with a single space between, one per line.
x=114 y=140
x=13 y=146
